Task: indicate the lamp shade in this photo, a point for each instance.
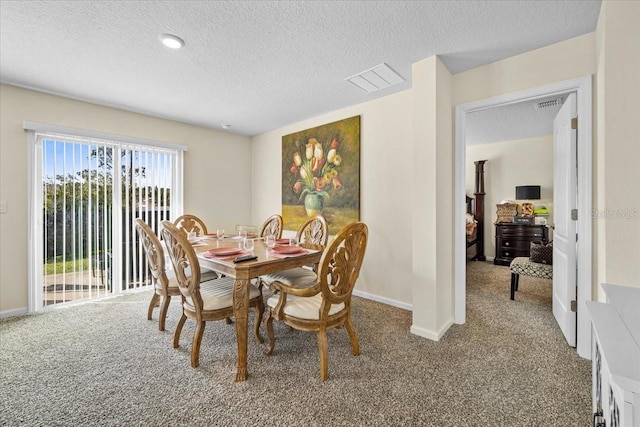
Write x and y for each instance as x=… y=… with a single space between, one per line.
x=528 y=192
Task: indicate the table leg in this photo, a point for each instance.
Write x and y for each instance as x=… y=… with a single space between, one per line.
x=241 y=313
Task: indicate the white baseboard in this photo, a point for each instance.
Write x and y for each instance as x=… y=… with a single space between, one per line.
x=14 y=312
x=383 y=300
x=432 y=335
x=425 y=333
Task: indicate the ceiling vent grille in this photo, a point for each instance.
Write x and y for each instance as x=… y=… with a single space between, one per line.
x=548 y=103
x=376 y=78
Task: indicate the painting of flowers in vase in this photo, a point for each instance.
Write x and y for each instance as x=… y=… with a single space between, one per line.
x=321 y=174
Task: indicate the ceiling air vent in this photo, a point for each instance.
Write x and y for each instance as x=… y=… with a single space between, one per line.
x=376 y=78
x=548 y=103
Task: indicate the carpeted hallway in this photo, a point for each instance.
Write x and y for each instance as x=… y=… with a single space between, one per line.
x=103 y=363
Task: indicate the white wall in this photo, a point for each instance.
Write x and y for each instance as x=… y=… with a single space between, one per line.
x=216 y=185
x=385 y=184
x=511 y=163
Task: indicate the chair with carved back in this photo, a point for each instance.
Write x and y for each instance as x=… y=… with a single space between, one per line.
x=312 y=234
x=206 y=301
x=327 y=304
x=272 y=226
x=191 y=223
x=164 y=284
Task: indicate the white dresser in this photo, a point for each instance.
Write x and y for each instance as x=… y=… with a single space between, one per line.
x=616 y=357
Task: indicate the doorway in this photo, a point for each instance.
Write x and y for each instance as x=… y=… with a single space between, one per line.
x=582 y=87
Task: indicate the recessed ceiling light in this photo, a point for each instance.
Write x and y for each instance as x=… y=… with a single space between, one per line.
x=171 y=41
x=225 y=126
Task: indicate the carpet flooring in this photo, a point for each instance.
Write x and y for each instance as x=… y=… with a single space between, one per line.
x=103 y=364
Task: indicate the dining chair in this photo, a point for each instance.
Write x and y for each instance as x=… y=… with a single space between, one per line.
x=272 y=225
x=326 y=304
x=164 y=284
x=191 y=223
x=312 y=234
x=206 y=301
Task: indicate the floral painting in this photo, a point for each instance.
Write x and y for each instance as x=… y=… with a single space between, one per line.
x=321 y=174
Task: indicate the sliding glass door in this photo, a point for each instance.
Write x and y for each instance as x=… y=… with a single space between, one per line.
x=87 y=194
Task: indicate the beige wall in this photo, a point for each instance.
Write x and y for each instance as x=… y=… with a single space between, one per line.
x=433 y=166
x=402 y=200
x=561 y=61
x=407 y=172
x=617 y=215
x=212 y=160
x=511 y=163
x=385 y=189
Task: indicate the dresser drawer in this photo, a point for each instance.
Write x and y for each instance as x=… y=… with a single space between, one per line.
x=528 y=232
x=514 y=240
x=513 y=253
x=516 y=244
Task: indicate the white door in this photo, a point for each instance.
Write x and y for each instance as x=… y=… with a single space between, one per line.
x=564 y=201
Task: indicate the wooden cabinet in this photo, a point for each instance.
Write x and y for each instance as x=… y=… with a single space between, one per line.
x=514 y=240
x=616 y=357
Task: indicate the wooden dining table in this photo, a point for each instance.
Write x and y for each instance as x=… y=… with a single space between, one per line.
x=243 y=273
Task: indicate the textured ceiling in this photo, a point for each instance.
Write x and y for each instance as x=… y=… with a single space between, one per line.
x=260 y=65
x=511 y=122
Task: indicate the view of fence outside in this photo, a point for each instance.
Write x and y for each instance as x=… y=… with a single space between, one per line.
x=79 y=214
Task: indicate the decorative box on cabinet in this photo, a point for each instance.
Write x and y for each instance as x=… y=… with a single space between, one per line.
x=616 y=357
x=514 y=240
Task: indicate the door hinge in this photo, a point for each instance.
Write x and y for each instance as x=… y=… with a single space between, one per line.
x=574 y=306
x=574 y=214
x=574 y=123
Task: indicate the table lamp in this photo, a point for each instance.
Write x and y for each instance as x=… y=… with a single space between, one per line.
x=527 y=192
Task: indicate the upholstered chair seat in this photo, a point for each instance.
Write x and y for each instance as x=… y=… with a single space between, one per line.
x=327 y=303
x=202 y=301
x=307 y=308
x=218 y=294
x=164 y=281
x=205 y=275
x=299 y=276
x=524 y=266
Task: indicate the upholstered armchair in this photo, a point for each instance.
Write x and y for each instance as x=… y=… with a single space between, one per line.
x=206 y=301
x=327 y=303
x=164 y=284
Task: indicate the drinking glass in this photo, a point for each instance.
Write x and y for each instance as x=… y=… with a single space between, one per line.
x=220 y=234
x=270 y=240
x=293 y=241
x=248 y=244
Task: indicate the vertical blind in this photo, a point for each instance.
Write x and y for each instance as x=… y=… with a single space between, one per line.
x=88 y=192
